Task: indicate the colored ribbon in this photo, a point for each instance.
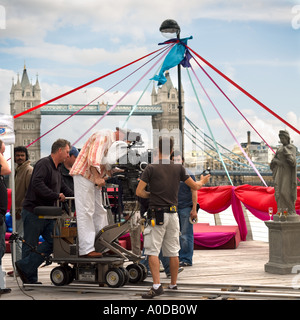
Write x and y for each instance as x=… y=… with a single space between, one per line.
x=243 y=151
x=209 y=128
x=33 y=142
x=84 y=85
x=176 y=56
x=225 y=95
x=112 y=107
x=244 y=91
x=136 y=104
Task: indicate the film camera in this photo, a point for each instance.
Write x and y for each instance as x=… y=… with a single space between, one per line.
x=131 y=161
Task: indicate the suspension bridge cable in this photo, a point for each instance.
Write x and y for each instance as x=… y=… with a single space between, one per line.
x=210 y=146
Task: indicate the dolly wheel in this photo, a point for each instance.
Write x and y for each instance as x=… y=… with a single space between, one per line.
x=71 y=274
x=144 y=269
x=114 y=278
x=126 y=275
x=59 y=276
x=135 y=273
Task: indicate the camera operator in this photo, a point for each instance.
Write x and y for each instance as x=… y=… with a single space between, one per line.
x=88 y=173
x=163 y=179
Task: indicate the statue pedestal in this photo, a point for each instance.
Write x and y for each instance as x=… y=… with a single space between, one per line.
x=284 y=245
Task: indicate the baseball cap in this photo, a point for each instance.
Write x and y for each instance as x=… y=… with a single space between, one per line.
x=74 y=152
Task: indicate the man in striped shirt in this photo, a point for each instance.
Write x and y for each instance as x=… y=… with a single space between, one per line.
x=89 y=173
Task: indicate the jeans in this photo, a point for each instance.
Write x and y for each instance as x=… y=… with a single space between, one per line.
x=33 y=228
x=187 y=236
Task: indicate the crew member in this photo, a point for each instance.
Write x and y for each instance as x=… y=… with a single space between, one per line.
x=22 y=179
x=68 y=179
x=187 y=209
x=45 y=188
x=89 y=174
x=164 y=179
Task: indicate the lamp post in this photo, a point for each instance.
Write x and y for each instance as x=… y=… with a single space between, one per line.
x=169 y=28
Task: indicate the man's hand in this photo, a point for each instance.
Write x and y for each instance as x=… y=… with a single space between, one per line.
x=98 y=178
x=100 y=182
x=205 y=179
x=116 y=170
x=62 y=197
x=193 y=214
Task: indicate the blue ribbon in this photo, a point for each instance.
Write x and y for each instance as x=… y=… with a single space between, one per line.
x=179 y=54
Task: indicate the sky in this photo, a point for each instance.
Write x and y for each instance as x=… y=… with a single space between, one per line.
x=256 y=43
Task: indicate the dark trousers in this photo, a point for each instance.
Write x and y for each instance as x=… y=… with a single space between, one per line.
x=33 y=229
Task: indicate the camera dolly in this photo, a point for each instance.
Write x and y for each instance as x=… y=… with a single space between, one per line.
x=108 y=269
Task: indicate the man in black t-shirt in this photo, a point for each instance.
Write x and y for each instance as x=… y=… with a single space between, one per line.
x=163 y=179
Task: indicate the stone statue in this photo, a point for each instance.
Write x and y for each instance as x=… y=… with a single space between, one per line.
x=284 y=170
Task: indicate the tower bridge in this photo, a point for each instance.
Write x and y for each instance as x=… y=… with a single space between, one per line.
x=163 y=111
x=100 y=109
x=25 y=95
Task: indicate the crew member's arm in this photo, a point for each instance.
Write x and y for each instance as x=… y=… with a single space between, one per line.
x=141 y=190
x=98 y=179
x=65 y=190
x=194 y=209
x=196 y=185
x=5 y=169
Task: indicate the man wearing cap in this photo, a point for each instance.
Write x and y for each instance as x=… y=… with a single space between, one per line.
x=65 y=171
x=89 y=173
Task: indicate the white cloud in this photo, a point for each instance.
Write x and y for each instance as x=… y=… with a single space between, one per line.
x=268 y=128
x=76 y=56
x=6 y=77
x=32 y=19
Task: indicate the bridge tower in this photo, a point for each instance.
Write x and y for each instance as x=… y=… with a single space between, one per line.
x=24 y=95
x=167 y=122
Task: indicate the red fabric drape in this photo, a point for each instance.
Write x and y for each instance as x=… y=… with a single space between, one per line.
x=260 y=198
x=214 y=199
x=255 y=198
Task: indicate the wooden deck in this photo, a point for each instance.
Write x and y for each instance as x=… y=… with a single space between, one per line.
x=244 y=265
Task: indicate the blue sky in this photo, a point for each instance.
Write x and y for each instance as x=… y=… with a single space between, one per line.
x=67 y=43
